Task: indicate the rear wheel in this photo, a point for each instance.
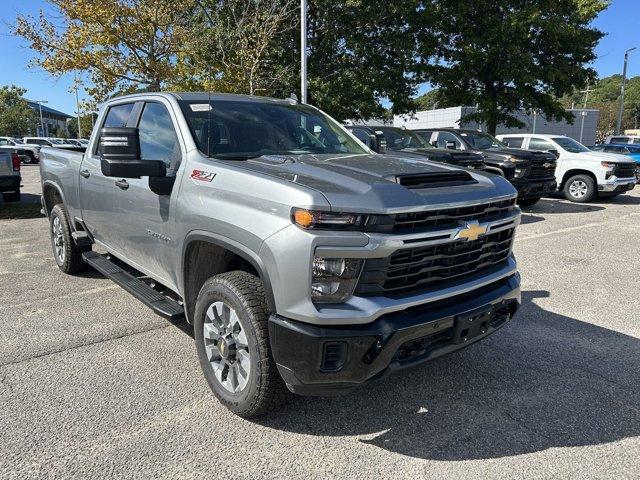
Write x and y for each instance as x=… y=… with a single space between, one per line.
x=12 y=197
x=232 y=343
x=528 y=202
x=580 y=188
x=66 y=253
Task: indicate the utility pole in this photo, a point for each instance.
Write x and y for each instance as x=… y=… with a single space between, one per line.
x=624 y=80
x=586 y=96
x=582 y=114
x=75 y=83
x=303 y=51
x=535 y=116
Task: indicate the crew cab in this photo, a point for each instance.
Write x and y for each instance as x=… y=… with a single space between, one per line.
x=10 y=177
x=531 y=173
x=305 y=261
x=410 y=145
x=27 y=153
x=582 y=174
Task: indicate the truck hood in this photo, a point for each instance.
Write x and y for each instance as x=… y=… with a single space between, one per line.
x=366 y=183
x=603 y=157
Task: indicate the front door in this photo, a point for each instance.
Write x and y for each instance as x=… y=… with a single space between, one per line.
x=145 y=219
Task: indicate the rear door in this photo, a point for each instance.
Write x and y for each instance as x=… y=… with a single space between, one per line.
x=145 y=226
x=97 y=192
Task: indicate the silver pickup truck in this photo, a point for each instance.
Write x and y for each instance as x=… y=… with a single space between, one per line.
x=305 y=262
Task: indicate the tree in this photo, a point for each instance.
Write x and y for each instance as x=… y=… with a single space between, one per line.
x=508 y=55
x=86 y=124
x=123 y=45
x=431 y=100
x=17 y=119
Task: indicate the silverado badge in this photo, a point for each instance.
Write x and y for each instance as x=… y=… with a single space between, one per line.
x=470 y=230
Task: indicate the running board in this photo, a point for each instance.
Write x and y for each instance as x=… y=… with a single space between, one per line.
x=159 y=303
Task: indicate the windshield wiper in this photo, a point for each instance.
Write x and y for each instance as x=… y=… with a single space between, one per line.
x=236 y=156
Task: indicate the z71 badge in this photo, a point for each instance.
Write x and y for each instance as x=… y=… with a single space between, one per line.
x=202 y=176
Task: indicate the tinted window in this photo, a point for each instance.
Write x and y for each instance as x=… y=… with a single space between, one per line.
x=481 y=141
x=361 y=135
x=539 y=144
x=231 y=129
x=118 y=116
x=570 y=145
x=619 y=140
x=513 y=142
x=444 y=137
x=4 y=142
x=158 y=139
x=635 y=140
x=398 y=139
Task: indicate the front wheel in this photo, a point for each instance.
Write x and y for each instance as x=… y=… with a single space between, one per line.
x=528 y=202
x=232 y=343
x=580 y=189
x=66 y=253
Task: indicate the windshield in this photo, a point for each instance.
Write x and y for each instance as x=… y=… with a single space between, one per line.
x=570 y=145
x=481 y=141
x=398 y=139
x=232 y=129
x=55 y=141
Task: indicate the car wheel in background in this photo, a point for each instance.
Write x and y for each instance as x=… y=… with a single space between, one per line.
x=66 y=253
x=232 y=342
x=580 y=188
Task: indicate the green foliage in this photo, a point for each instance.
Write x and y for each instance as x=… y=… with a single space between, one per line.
x=507 y=55
x=85 y=123
x=17 y=119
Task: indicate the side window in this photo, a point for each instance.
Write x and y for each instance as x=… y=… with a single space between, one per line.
x=513 y=142
x=444 y=137
x=539 y=144
x=4 y=141
x=158 y=139
x=118 y=116
x=361 y=135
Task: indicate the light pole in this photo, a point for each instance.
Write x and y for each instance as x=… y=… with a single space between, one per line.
x=624 y=80
x=303 y=51
x=75 y=84
x=40 y=102
x=582 y=114
x=535 y=116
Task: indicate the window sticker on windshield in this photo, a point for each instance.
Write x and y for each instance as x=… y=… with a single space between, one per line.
x=200 y=107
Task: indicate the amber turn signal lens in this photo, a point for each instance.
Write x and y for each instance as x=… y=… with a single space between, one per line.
x=304 y=218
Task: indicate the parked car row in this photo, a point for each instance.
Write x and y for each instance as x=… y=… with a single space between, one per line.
x=536 y=165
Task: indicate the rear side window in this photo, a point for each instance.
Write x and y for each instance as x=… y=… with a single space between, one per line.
x=118 y=115
x=158 y=139
x=619 y=140
x=513 y=142
x=444 y=137
x=539 y=144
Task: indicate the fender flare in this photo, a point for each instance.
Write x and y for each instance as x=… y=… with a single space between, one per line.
x=236 y=247
x=53 y=184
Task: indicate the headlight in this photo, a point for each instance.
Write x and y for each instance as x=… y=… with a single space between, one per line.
x=334 y=279
x=313 y=219
x=513 y=159
x=519 y=173
x=608 y=164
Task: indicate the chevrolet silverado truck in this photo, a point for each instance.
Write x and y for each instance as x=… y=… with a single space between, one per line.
x=305 y=262
x=582 y=174
x=410 y=145
x=532 y=173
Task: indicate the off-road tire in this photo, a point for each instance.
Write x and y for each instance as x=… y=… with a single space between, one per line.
x=586 y=180
x=12 y=196
x=265 y=390
x=528 y=202
x=72 y=261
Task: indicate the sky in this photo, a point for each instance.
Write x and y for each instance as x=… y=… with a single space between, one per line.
x=620 y=22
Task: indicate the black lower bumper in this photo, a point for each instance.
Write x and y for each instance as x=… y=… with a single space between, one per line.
x=316 y=360
x=10 y=184
x=535 y=188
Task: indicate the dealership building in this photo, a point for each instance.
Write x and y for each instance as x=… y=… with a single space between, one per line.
x=583 y=128
x=52 y=119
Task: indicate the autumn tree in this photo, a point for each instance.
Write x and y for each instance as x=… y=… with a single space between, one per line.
x=507 y=55
x=17 y=119
x=122 y=45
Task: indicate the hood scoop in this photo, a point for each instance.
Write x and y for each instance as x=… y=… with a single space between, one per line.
x=434 y=179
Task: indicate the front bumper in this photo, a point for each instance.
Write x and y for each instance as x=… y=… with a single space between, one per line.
x=317 y=360
x=534 y=188
x=10 y=184
x=618 y=185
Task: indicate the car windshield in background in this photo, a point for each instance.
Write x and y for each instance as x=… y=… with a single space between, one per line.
x=570 y=145
x=236 y=129
x=398 y=139
x=481 y=141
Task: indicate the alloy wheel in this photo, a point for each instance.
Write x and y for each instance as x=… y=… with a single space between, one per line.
x=58 y=239
x=578 y=189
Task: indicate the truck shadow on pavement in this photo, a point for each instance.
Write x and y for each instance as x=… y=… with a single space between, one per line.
x=543 y=381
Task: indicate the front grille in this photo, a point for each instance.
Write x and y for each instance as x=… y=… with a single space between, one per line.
x=449 y=217
x=420 y=269
x=538 y=170
x=623 y=170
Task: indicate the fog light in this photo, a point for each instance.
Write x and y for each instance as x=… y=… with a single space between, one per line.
x=334 y=279
x=328 y=267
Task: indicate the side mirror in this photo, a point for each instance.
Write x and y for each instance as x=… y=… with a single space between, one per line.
x=119 y=149
x=434 y=144
x=450 y=145
x=554 y=152
x=377 y=143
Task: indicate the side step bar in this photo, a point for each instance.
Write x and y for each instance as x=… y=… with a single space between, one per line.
x=162 y=305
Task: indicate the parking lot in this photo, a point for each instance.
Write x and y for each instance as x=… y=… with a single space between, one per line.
x=93 y=384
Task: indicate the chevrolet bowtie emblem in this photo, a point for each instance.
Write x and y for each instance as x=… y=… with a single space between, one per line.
x=470 y=230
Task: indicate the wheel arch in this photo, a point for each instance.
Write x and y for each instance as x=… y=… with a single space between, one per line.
x=52 y=195
x=205 y=254
x=577 y=171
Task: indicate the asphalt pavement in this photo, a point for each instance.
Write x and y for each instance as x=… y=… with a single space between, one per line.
x=94 y=385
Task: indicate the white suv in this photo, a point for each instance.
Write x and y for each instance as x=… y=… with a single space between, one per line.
x=582 y=174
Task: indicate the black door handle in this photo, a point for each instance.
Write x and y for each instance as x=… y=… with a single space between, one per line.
x=122 y=184
x=85 y=173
